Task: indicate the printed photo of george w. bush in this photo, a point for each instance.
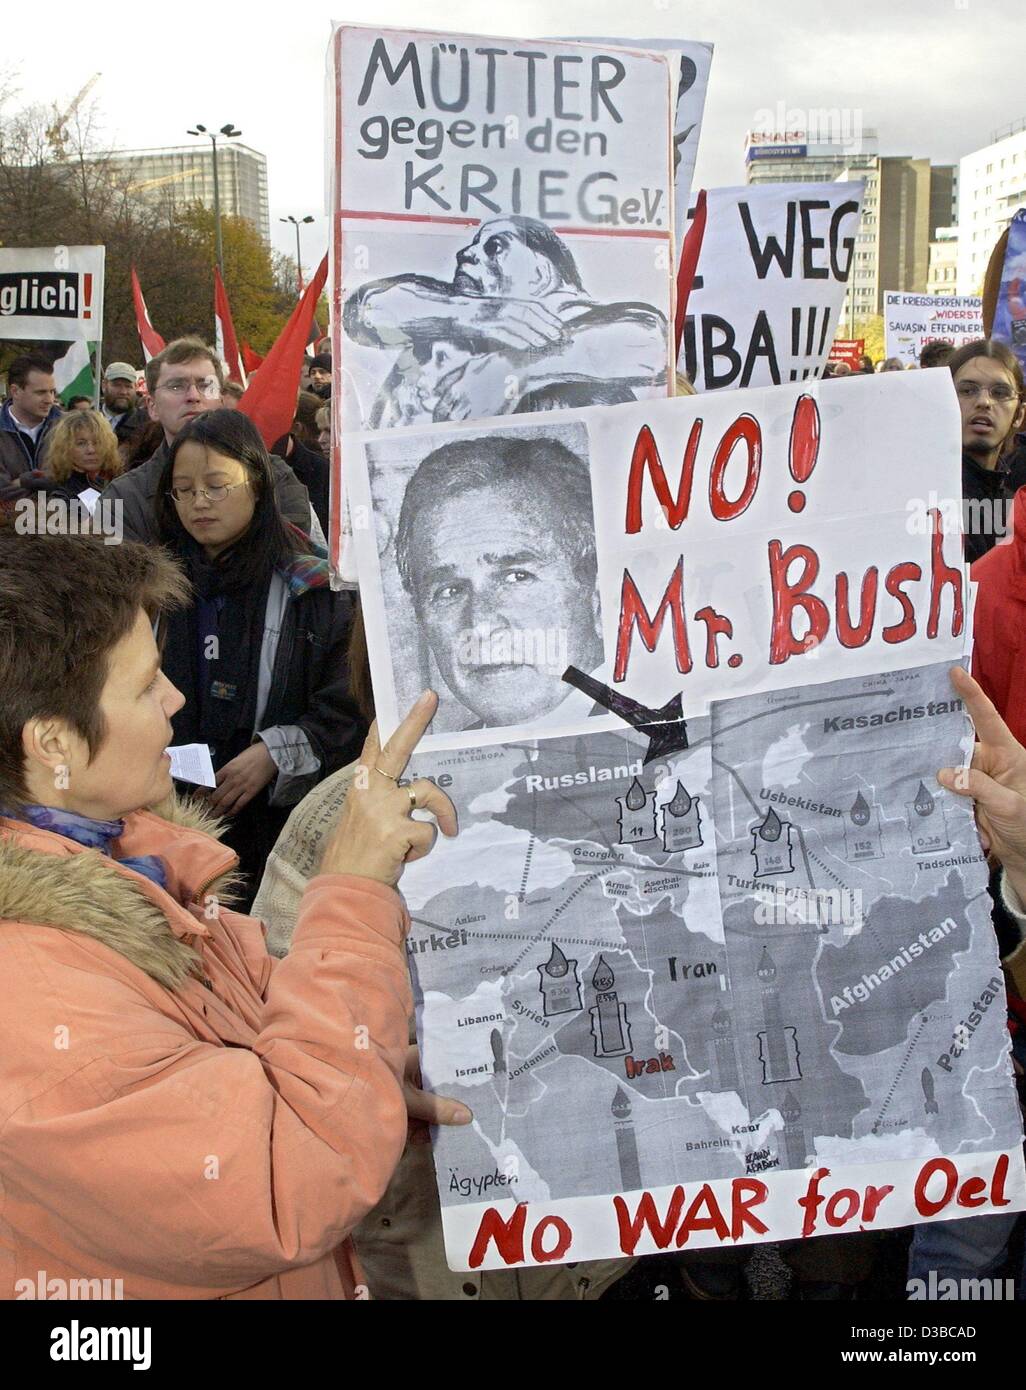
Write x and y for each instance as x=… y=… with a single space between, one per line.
x=486 y=543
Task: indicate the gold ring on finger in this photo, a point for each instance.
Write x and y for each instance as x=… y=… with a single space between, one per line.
x=386 y=774
x=413 y=798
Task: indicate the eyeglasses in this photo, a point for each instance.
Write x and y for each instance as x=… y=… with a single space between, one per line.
x=207 y=386
x=212 y=494
x=971 y=390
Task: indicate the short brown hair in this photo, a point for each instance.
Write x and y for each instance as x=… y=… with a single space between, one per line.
x=60 y=460
x=18 y=371
x=178 y=351
x=65 y=603
x=996 y=351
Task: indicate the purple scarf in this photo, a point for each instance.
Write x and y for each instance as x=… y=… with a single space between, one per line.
x=93 y=834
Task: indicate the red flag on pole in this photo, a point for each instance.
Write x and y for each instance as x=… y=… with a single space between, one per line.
x=227 y=343
x=689 y=264
x=250 y=360
x=152 y=342
x=271 y=400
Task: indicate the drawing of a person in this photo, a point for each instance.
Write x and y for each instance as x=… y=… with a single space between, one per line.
x=514 y=331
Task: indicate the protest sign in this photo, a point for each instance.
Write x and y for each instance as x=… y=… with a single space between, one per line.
x=502 y=226
x=692 y=62
x=848 y=350
x=913 y=320
x=1010 y=308
x=51 y=293
x=771 y=278
x=683 y=960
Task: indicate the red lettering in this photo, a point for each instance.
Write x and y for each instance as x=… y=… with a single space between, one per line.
x=787 y=597
x=716 y=625
x=633 y=610
x=968 y=1193
x=941 y=574
x=847 y=634
x=902 y=574
x=812 y=1199
x=997 y=1187
x=563 y=1238
x=646 y=455
x=874 y=1197
x=646 y=1215
x=745 y=1194
x=508 y=1236
x=844 y=1197
x=926 y=1206
x=695 y=1221
x=745 y=428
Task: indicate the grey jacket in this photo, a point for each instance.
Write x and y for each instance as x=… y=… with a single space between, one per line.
x=137 y=492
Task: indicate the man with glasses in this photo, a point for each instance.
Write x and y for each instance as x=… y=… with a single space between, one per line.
x=989 y=384
x=183 y=381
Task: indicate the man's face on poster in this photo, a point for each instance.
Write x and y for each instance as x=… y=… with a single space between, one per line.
x=499 y=262
x=502 y=603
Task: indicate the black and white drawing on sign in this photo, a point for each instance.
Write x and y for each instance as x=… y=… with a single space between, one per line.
x=515 y=330
x=487 y=554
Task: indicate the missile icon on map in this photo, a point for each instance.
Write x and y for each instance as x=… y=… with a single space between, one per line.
x=667 y=732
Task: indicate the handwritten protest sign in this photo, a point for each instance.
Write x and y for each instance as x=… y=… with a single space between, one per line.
x=502 y=228
x=771 y=278
x=684 y=959
x=913 y=320
x=51 y=293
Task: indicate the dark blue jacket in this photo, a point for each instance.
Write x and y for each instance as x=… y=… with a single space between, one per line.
x=21 y=472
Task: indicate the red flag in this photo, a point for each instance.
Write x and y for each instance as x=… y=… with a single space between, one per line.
x=152 y=342
x=227 y=343
x=250 y=360
x=271 y=400
x=689 y=264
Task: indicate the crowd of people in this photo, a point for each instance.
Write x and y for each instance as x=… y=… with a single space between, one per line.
x=238 y=1106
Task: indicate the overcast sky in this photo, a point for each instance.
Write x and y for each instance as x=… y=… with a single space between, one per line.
x=935 y=77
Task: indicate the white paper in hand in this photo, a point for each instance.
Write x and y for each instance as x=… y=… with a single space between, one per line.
x=89 y=497
x=190 y=762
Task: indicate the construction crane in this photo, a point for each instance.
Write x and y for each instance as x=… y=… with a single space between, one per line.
x=147 y=184
x=56 y=131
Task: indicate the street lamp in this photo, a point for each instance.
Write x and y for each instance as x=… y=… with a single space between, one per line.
x=229 y=132
x=299 y=262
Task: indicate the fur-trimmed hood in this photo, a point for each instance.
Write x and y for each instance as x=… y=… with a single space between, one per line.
x=48 y=880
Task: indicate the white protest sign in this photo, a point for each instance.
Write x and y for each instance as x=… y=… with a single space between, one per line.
x=502 y=227
x=693 y=61
x=770 y=285
x=53 y=293
x=711 y=958
x=694 y=512
x=913 y=320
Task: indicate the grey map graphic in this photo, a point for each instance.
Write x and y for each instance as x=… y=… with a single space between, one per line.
x=771 y=949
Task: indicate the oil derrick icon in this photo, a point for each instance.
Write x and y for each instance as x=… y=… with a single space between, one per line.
x=637 y=814
x=771 y=846
x=926 y=823
x=794 y=1133
x=778 y=1043
x=862 y=831
x=723 y=1065
x=626 y=1142
x=560 y=987
x=682 y=822
x=609 y=1026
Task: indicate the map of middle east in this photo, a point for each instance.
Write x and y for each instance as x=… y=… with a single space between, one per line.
x=769 y=949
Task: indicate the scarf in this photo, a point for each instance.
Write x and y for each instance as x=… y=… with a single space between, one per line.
x=93 y=834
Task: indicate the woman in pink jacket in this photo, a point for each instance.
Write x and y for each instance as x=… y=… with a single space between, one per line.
x=181 y=1116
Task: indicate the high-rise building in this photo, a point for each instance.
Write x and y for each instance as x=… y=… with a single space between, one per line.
x=186 y=174
x=942 y=276
x=991 y=187
x=904 y=203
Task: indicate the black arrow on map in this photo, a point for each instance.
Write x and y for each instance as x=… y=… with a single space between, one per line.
x=667 y=732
